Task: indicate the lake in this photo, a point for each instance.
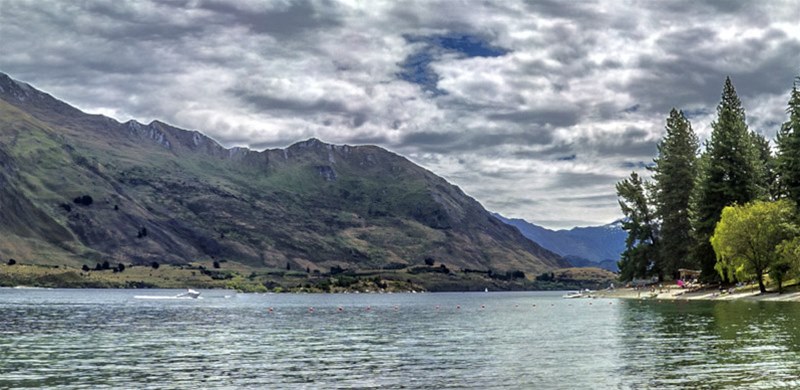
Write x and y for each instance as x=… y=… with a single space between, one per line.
x=527 y=340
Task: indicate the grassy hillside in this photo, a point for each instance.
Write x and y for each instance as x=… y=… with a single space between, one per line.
x=80 y=189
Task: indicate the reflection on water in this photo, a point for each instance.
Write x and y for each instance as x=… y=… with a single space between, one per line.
x=710 y=344
x=96 y=338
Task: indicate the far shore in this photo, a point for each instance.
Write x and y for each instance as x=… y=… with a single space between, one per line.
x=747 y=293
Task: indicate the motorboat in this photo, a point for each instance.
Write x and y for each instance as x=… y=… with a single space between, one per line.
x=189 y=294
x=572 y=294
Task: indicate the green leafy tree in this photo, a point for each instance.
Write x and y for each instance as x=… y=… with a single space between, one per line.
x=747 y=236
x=729 y=173
x=788 y=159
x=640 y=258
x=674 y=174
x=788 y=261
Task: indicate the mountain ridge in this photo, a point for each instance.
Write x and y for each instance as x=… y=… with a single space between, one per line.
x=598 y=246
x=161 y=193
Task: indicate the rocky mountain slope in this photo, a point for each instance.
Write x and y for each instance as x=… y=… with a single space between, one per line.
x=592 y=246
x=79 y=189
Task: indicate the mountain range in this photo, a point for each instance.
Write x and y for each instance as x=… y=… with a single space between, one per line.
x=77 y=189
x=592 y=246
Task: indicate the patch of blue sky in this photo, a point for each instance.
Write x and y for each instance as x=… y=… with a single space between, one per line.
x=416 y=68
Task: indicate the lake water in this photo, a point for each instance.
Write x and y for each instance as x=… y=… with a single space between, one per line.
x=532 y=340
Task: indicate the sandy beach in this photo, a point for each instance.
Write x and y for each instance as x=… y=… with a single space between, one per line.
x=750 y=293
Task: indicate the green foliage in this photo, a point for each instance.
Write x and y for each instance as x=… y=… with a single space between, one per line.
x=788 y=159
x=730 y=173
x=746 y=239
x=674 y=174
x=788 y=261
x=640 y=257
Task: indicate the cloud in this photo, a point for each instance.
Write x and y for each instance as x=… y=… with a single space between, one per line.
x=535 y=108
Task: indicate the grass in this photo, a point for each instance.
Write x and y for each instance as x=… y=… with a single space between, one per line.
x=241 y=277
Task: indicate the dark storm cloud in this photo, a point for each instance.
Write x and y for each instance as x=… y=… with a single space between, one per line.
x=547 y=116
x=462 y=141
x=598 y=199
x=572 y=180
x=288 y=21
x=299 y=107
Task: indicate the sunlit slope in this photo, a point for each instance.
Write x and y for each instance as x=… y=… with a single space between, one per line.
x=164 y=194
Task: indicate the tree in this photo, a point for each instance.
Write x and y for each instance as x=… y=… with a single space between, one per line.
x=215 y=264
x=120 y=267
x=429 y=261
x=746 y=239
x=767 y=163
x=674 y=174
x=729 y=173
x=155 y=265
x=12 y=262
x=788 y=159
x=788 y=261
x=640 y=258
x=85 y=268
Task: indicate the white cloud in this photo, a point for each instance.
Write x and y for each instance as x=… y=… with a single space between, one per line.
x=536 y=109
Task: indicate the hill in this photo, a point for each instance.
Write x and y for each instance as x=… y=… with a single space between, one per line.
x=79 y=189
x=593 y=246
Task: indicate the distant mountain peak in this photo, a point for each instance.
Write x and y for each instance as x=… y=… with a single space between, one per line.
x=593 y=244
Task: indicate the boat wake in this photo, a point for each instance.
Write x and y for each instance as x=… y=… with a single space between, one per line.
x=165 y=297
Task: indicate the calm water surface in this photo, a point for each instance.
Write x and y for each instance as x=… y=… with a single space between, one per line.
x=111 y=339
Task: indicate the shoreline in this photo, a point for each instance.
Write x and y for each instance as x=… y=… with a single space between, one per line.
x=674 y=293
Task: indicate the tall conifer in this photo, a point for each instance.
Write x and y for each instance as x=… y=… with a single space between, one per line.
x=640 y=258
x=789 y=148
x=731 y=174
x=674 y=176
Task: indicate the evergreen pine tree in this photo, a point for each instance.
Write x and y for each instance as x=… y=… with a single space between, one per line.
x=767 y=166
x=730 y=174
x=788 y=160
x=640 y=258
x=674 y=176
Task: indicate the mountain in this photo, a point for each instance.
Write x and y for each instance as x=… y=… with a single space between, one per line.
x=78 y=189
x=581 y=246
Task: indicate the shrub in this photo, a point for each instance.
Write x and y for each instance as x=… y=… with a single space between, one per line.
x=429 y=261
x=155 y=265
x=85 y=200
x=85 y=268
x=216 y=264
x=120 y=267
x=12 y=262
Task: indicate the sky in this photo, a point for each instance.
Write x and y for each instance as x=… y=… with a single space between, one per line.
x=534 y=108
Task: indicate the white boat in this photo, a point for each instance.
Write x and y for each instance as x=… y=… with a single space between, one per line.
x=189 y=294
x=572 y=294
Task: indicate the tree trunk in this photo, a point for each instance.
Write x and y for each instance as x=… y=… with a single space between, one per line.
x=760 y=275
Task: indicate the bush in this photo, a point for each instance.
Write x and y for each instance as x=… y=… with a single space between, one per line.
x=85 y=268
x=155 y=265
x=429 y=261
x=106 y=265
x=12 y=262
x=216 y=264
x=85 y=200
x=120 y=267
